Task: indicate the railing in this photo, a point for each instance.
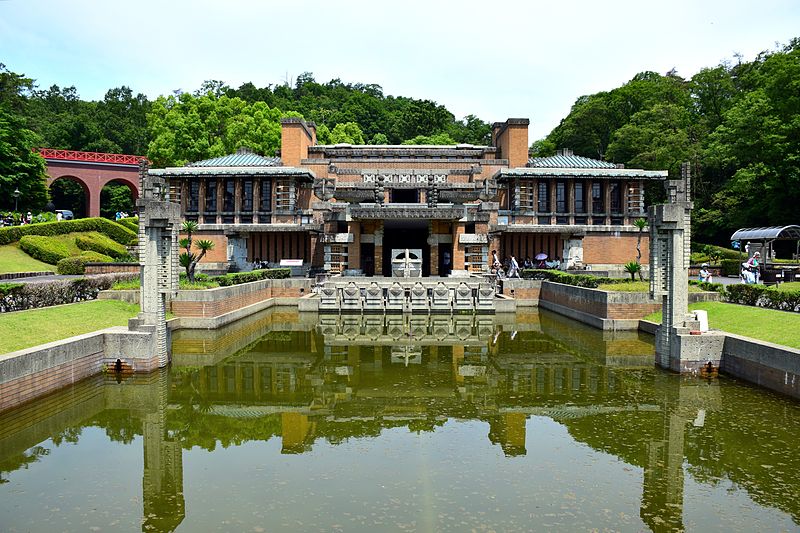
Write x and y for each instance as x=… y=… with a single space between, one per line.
x=89 y=157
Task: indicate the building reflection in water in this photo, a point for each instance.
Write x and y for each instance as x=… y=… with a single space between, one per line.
x=336 y=378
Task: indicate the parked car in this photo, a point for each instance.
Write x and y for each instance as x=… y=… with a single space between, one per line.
x=66 y=214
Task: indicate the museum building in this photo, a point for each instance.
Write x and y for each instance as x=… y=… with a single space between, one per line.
x=352 y=208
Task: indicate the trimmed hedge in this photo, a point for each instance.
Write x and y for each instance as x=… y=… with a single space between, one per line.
x=578 y=280
x=21 y=296
x=256 y=275
x=117 y=232
x=46 y=249
x=761 y=296
x=97 y=242
x=731 y=267
x=132 y=223
x=708 y=287
x=77 y=264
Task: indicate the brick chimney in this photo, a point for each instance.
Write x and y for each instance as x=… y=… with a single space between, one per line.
x=296 y=136
x=511 y=140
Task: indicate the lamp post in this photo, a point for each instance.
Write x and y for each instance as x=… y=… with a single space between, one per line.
x=16 y=194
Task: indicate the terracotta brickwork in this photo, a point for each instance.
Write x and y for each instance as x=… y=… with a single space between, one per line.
x=21 y=390
x=220 y=252
x=216 y=302
x=609 y=249
x=599 y=303
x=109 y=268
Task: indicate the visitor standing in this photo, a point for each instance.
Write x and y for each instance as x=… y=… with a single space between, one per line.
x=59 y=216
x=705 y=274
x=497 y=268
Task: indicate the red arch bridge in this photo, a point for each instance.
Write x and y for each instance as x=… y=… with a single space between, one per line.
x=92 y=171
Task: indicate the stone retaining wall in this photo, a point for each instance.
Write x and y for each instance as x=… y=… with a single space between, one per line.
x=768 y=365
x=33 y=372
x=211 y=303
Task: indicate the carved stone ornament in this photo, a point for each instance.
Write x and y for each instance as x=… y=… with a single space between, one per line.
x=324 y=188
x=489 y=190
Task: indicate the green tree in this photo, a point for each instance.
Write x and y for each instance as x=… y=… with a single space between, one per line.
x=437 y=138
x=349 y=133
x=189 y=128
x=190 y=259
x=20 y=167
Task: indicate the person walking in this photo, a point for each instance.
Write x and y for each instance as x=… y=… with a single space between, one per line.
x=513 y=270
x=497 y=267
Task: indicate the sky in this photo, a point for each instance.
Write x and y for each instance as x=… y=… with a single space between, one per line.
x=493 y=59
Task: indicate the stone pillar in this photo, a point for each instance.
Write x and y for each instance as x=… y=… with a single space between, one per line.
x=551 y=190
x=570 y=192
x=607 y=201
x=256 y=200
x=680 y=345
x=379 y=249
x=354 y=248
x=237 y=253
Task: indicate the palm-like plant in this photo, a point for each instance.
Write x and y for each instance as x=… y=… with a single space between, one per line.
x=189 y=259
x=633 y=268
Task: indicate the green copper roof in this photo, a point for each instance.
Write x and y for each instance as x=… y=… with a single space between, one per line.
x=568 y=161
x=242 y=158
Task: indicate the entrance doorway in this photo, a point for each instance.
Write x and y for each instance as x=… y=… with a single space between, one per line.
x=445 y=259
x=368 y=258
x=401 y=234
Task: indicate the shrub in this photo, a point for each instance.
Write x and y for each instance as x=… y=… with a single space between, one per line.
x=709 y=287
x=18 y=297
x=46 y=249
x=761 y=296
x=579 y=280
x=118 y=232
x=72 y=265
x=99 y=243
x=256 y=275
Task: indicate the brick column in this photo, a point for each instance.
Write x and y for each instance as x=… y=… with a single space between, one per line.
x=458 y=248
x=237 y=200
x=201 y=200
x=256 y=199
x=379 y=249
x=551 y=189
x=433 y=242
x=354 y=248
x=220 y=199
x=607 y=202
x=571 y=200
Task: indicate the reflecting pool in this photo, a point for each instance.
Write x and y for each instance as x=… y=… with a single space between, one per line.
x=288 y=422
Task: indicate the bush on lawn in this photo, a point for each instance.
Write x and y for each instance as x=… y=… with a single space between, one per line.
x=731 y=267
x=118 y=232
x=96 y=242
x=18 y=297
x=46 y=249
x=709 y=287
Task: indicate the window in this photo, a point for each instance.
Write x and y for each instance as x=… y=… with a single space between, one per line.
x=247 y=196
x=615 y=191
x=561 y=197
x=404 y=196
x=211 y=196
x=543 y=203
x=580 y=198
x=230 y=194
x=194 y=196
x=597 y=198
x=266 y=195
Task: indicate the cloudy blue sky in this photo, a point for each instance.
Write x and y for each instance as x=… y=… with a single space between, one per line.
x=494 y=59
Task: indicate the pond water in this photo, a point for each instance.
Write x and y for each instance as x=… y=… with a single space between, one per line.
x=287 y=422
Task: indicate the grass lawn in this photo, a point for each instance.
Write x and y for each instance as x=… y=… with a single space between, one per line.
x=23 y=329
x=791 y=286
x=635 y=286
x=183 y=285
x=780 y=327
x=12 y=259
